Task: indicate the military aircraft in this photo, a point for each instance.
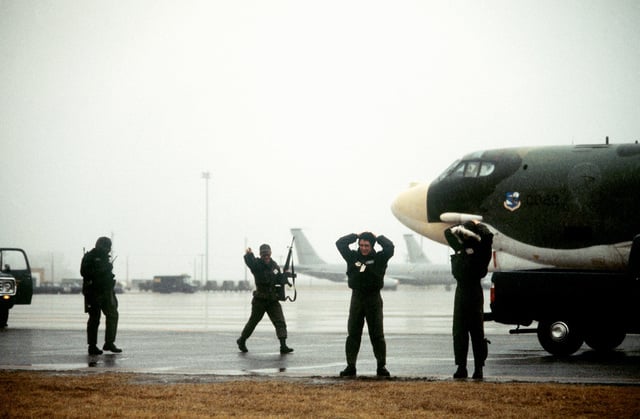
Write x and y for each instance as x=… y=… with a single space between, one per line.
x=563 y=218
x=562 y=206
x=311 y=264
x=415 y=252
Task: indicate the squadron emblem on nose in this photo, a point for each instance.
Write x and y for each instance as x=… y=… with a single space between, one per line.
x=512 y=201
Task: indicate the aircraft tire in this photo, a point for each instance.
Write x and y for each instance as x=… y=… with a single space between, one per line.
x=560 y=337
x=605 y=339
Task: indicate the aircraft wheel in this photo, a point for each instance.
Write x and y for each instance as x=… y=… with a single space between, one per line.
x=604 y=339
x=559 y=337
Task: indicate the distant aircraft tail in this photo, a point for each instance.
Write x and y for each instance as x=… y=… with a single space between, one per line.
x=416 y=255
x=306 y=254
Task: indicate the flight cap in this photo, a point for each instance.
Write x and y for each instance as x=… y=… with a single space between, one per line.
x=265 y=249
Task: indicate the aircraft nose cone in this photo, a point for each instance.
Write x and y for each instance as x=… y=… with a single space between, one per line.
x=410 y=207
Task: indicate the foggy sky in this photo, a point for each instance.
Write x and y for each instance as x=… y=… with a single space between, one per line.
x=306 y=114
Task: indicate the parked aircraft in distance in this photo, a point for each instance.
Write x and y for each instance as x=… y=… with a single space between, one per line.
x=417 y=256
x=404 y=273
x=564 y=219
x=414 y=251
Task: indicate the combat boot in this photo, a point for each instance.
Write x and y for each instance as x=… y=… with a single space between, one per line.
x=350 y=371
x=383 y=372
x=242 y=345
x=94 y=350
x=111 y=347
x=477 y=374
x=461 y=372
x=284 y=349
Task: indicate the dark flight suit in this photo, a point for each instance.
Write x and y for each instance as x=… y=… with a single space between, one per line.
x=4 y=314
x=265 y=297
x=365 y=278
x=469 y=265
x=99 y=296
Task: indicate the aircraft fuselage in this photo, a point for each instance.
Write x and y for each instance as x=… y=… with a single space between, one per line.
x=564 y=220
x=564 y=206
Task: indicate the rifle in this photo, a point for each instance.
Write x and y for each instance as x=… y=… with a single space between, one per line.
x=286 y=275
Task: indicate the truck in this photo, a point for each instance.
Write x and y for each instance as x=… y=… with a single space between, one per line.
x=167 y=284
x=16 y=282
x=571 y=307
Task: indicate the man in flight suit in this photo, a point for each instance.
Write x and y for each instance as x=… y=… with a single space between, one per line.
x=365 y=273
x=471 y=243
x=98 y=288
x=267 y=275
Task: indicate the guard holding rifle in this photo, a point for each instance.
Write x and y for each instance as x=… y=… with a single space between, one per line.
x=268 y=279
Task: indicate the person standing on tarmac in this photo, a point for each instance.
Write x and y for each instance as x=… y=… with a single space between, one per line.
x=267 y=275
x=365 y=272
x=99 y=296
x=471 y=243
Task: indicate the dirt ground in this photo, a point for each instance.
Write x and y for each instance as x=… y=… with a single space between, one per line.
x=72 y=395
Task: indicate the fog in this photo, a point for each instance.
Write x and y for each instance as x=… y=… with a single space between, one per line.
x=305 y=114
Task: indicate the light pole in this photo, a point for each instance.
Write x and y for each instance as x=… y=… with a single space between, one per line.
x=206 y=176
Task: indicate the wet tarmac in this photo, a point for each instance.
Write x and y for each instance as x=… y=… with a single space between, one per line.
x=182 y=336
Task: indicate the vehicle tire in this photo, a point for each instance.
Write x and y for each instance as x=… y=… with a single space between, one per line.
x=604 y=339
x=560 y=337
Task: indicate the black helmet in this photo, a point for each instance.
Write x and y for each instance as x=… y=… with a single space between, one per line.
x=104 y=244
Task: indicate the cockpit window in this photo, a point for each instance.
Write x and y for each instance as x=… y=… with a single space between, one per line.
x=486 y=168
x=449 y=170
x=458 y=171
x=468 y=169
x=471 y=170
